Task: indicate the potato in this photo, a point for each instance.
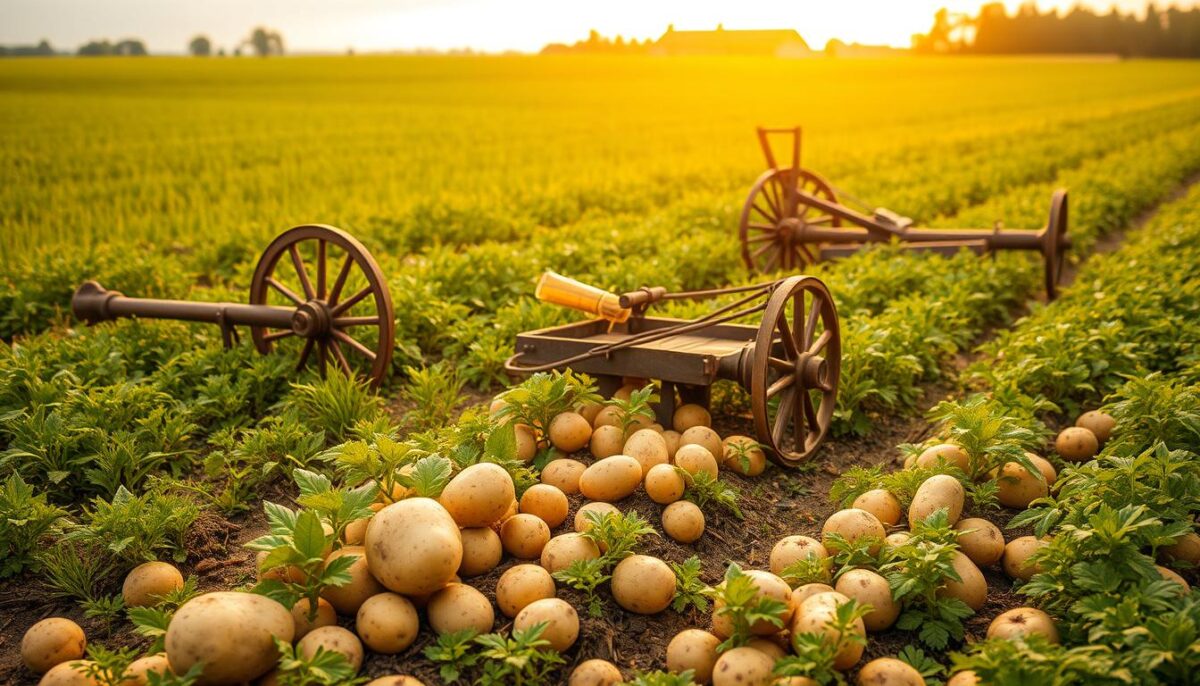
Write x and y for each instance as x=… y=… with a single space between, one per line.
x=547 y=503
x=595 y=672
x=479 y=495
x=816 y=615
x=972 y=590
x=69 y=674
x=643 y=584
x=482 y=551
x=347 y=598
x=664 y=484
x=326 y=616
x=333 y=639
x=564 y=474
x=290 y=573
x=702 y=436
x=981 y=541
x=744 y=456
x=562 y=550
x=1023 y=621
x=672 y=439
x=399 y=680
x=459 y=606
x=853 y=524
x=138 y=672
x=1076 y=444
x=937 y=492
x=1171 y=575
x=869 y=588
x=693 y=459
x=1099 y=423
x=611 y=479
x=626 y=390
x=791 y=549
x=1185 y=548
x=693 y=649
x=648 y=447
x=743 y=666
x=888 y=671
x=948 y=453
x=1016 y=487
x=683 y=521
x=609 y=415
x=1049 y=473
x=804 y=592
x=562 y=622
x=146 y=583
x=589 y=410
x=964 y=678
x=768 y=647
x=880 y=503
x=527 y=444
x=414 y=546
x=1016 y=557
x=690 y=415
x=521 y=585
x=770 y=586
x=524 y=536
x=570 y=431
x=607 y=441
x=387 y=623
x=582 y=523
x=233 y=634
x=51 y=641
x=356 y=531
x=897 y=539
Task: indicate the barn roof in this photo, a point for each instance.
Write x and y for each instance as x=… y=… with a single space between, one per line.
x=731 y=41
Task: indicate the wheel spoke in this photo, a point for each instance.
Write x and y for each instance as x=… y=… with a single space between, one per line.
x=758 y=253
x=781 y=365
x=798 y=426
x=343 y=322
x=341 y=358
x=781 y=383
x=351 y=302
x=810 y=327
x=782 y=415
x=819 y=220
x=798 y=311
x=761 y=239
x=824 y=339
x=308 y=346
x=789 y=342
x=810 y=413
x=773 y=218
x=772 y=262
x=287 y=292
x=321 y=268
x=340 y=281
x=301 y=272
x=771 y=193
x=282 y=333
x=761 y=227
x=354 y=345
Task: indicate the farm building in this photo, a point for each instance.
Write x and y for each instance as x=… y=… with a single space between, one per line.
x=722 y=41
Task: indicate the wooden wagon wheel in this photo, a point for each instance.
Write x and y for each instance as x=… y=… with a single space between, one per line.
x=1055 y=243
x=356 y=298
x=797 y=361
x=774 y=214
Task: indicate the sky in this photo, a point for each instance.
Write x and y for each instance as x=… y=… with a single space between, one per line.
x=487 y=25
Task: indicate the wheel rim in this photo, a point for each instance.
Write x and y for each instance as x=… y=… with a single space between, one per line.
x=773 y=216
x=797 y=359
x=345 y=321
x=1054 y=246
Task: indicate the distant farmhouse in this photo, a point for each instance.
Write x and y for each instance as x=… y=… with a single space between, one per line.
x=722 y=41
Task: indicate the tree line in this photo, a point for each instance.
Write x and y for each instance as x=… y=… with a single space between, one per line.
x=1170 y=32
x=262 y=42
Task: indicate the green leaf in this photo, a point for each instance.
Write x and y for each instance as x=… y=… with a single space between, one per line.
x=502 y=442
x=309 y=536
x=429 y=476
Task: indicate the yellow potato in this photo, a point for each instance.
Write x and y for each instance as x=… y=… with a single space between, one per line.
x=888 y=671
x=1023 y=621
x=459 y=606
x=347 y=598
x=607 y=440
x=791 y=549
x=1076 y=444
x=1171 y=575
x=664 y=484
x=50 y=642
x=1185 y=548
x=233 y=634
x=527 y=444
x=564 y=474
x=690 y=415
x=69 y=674
x=683 y=521
x=138 y=672
x=595 y=672
x=611 y=479
x=326 y=616
x=562 y=622
x=482 y=551
x=704 y=436
x=880 y=503
x=770 y=586
x=981 y=541
x=743 y=666
x=853 y=525
x=524 y=536
x=648 y=447
x=564 y=549
x=643 y=584
x=570 y=431
x=414 y=546
x=964 y=678
x=694 y=458
x=804 y=592
x=672 y=439
x=520 y=585
x=693 y=649
x=1016 y=487
x=479 y=495
x=972 y=590
x=588 y=411
x=356 y=531
x=333 y=639
x=609 y=415
x=387 y=623
x=1099 y=423
x=1044 y=466
x=1016 y=556
x=582 y=523
x=547 y=503
x=147 y=583
x=897 y=539
x=935 y=493
x=947 y=453
x=869 y=588
x=400 y=680
x=817 y=614
x=744 y=456
x=768 y=647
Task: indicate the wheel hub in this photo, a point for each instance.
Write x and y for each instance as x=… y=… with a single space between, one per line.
x=312 y=319
x=813 y=371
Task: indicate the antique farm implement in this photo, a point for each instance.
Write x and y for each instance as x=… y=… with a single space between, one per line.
x=345 y=321
x=793 y=218
x=790 y=362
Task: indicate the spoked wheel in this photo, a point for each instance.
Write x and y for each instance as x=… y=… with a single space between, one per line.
x=343 y=313
x=774 y=215
x=1055 y=243
x=795 y=369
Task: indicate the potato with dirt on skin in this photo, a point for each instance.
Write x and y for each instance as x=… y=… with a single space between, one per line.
x=853 y=525
x=479 y=495
x=595 y=672
x=1023 y=621
x=147 y=583
x=325 y=616
x=683 y=521
x=804 y=592
x=387 y=623
x=1016 y=487
x=521 y=585
x=693 y=459
x=333 y=639
x=940 y=491
x=570 y=431
x=774 y=588
x=524 y=536
x=648 y=447
x=562 y=550
x=562 y=622
x=702 y=436
x=980 y=540
x=611 y=479
x=693 y=649
x=414 y=546
x=138 y=672
x=972 y=589
x=643 y=584
x=1076 y=444
x=744 y=455
x=768 y=647
x=743 y=666
x=51 y=641
x=547 y=503
x=399 y=680
x=947 y=453
x=897 y=539
x=582 y=521
x=888 y=671
x=72 y=673
x=1172 y=575
x=527 y=444
x=607 y=440
x=690 y=415
x=1016 y=557
x=459 y=606
x=880 y=503
x=870 y=588
x=232 y=633
x=672 y=439
x=482 y=551
x=348 y=597
x=664 y=484
x=817 y=614
x=564 y=474
x=1101 y=424
x=791 y=549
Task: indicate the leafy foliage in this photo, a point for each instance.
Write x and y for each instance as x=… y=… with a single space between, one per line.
x=738 y=600
x=25 y=521
x=919 y=570
x=522 y=659
x=689 y=589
